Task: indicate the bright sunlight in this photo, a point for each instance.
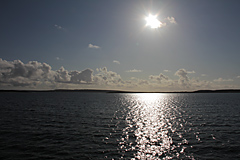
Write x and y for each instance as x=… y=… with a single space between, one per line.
x=152 y=21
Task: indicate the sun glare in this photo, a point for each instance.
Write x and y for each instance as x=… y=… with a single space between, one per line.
x=152 y=21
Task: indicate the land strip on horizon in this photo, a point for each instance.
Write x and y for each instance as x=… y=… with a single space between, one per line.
x=119 y=91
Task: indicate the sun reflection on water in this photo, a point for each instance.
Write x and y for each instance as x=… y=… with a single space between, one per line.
x=152 y=123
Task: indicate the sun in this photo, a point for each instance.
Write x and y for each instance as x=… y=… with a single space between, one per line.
x=152 y=21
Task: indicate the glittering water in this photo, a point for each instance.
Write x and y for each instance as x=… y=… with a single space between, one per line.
x=72 y=125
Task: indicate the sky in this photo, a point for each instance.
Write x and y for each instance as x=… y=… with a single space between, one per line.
x=108 y=44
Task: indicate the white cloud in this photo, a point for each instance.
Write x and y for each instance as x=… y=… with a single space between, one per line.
x=183 y=78
x=74 y=77
x=134 y=70
x=16 y=73
x=182 y=73
x=36 y=74
x=62 y=75
x=197 y=84
x=190 y=72
x=166 y=70
x=107 y=78
x=159 y=77
x=81 y=76
x=93 y=46
x=203 y=75
x=222 y=80
x=116 y=62
x=58 y=27
x=5 y=64
x=58 y=58
x=238 y=76
x=171 y=20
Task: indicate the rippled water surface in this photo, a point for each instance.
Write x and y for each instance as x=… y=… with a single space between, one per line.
x=74 y=125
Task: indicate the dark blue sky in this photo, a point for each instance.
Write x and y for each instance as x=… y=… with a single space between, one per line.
x=203 y=41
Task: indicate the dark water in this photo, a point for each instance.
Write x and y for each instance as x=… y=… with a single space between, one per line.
x=119 y=126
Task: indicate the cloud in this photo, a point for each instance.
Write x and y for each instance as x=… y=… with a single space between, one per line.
x=116 y=62
x=136 y=83
x=238 y=76
x=171 y=20
x=81 y=76
x=198 y=84
x=62 y=75
x=143 y=82
x=163 y=82
x=190 y=72
x=222 y=80
x=93 y=46
x=58 y=27
x=107 y=78
x=74 y=77
x=183 y=78
x=182 y=73
x=17 y=73
x=33 y=74
x=203 y=75
x=159 y=77
x=134 y=70
x=5 y=64
x=166 y=70
x=58 y=58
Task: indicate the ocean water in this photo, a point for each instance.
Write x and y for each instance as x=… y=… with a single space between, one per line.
x=76 y=125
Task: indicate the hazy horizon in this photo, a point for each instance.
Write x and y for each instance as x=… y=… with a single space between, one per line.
x=120 y=45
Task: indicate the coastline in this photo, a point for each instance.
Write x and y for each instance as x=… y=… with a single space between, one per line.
x=119 y=91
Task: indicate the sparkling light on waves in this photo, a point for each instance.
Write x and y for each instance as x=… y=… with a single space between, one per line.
x=152 y=120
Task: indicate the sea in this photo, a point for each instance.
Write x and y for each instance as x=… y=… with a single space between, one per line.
x=82 y=125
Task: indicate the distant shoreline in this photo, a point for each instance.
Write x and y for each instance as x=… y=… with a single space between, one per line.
x=118 y=91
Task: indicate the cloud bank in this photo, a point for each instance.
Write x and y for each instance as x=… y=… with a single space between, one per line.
x=16 y=73
x=36 y=75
